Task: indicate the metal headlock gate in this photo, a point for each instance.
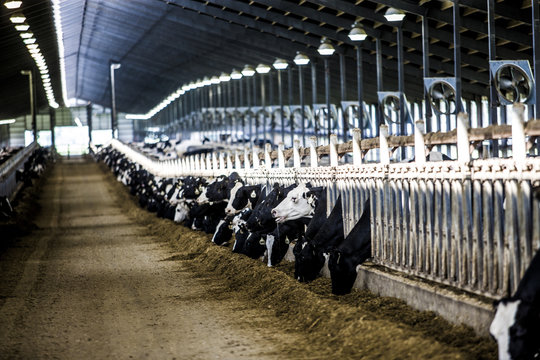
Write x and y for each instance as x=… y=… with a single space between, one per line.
x=471 y=224
x=8 y=183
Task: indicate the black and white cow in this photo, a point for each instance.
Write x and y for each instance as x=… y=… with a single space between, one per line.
x=300 y=202
x=311 y=258
x=261 y=218
x=516 y=325
x=353 y=251
x=278 y=241
x=240 y=230
x=243 y=196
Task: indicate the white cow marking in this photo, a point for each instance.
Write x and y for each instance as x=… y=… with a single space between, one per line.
x=269 y=243
x=229 y=210
x=504 y=318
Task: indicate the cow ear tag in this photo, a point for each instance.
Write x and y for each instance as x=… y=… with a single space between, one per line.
x=262 y=242
x=287 y=241
x=253 y=194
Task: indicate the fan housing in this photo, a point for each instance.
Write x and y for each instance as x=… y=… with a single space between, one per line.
x=442 y=94
x=513 y=81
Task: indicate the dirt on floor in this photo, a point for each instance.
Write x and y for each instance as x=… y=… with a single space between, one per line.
x=360 y=325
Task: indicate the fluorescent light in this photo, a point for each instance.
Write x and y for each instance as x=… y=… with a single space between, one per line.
x=235 y=75
x=301 y=59
x=32 y=46
x=248 y=71
x=7 y=121
x=29 y=41
x=280 y=64
x=394 y=15
x=215 y=80
x=224 y=77
x=357 y=33
x=137 y=116
x=206 y=81
x=326 y=48
x=60 y=42
x=22 y=27
x=17 y=18
x=26 y=35
x=263 y=68
x=12 y=4
x=78 y=122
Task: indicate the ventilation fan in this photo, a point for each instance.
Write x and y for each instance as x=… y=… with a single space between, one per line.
x=390 y=105
x=513 y=81
x=442 y=94
x=351 y=113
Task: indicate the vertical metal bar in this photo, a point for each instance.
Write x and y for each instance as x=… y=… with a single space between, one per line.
x=52 y=119
x=113 y=100
x=271 y=102
x=501 y=253
x=478 y=251
x=314 y=96
x=88 y=122
x=536 y=54
x=511 y=234
x=327 y=96
x=290 y=93
x=263 y=112
x=492 y=53
x=457 y=55
x=253 y=117
x=490 y=257
x=343 y=89
x=281 y=110
x=360 y=91
x=248 y=112
x=302 y=103
x=401 y=87
x=425 y=63
x=378 y=48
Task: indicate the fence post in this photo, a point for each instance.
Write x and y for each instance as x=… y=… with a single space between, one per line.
x=357 y=151
x=519 y=146
x=383 y=139
x=237 y=163
x=296 y=153
x=246 y=158
x=229 y=161
x=463 y=143
x=314 y=158
x=333 y=150
x=267 y=157
x=256 y=164
x=208 y=161
x=222 y=161
x=419 y=144
x=215 y=161
x=281 y=155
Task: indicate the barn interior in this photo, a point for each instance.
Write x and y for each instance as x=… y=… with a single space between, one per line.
x=363 y=97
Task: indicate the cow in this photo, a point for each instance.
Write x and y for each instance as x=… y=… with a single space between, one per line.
x=516 y=325
x=255 y=245
x=318 y=220
x=261 y=218
x=243 y=196
x=223 y=232
x=241 y=232
x=311 y=258
x=300 y=202
x=353 y=251
x=278 y=241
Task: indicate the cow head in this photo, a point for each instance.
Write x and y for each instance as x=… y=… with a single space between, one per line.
x=242 y=197
x=298 y=203
x=255 y=245
x=342 y=272
x=309 y=262
x=261 y=218
x=516 y=327
x=278 y=242
x=241 y=232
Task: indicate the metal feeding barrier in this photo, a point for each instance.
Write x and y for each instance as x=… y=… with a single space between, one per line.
x=471 y=224
x=8 y=183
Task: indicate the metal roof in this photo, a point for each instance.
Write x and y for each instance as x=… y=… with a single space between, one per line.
x=163 y=44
